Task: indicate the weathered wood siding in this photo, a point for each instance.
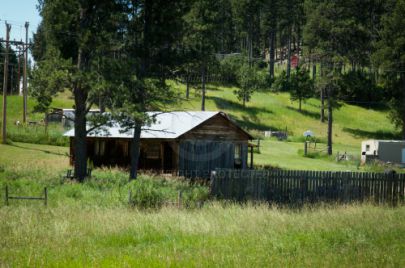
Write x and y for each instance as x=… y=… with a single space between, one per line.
x=216 y=128
x=197 y=158
x=298 y=187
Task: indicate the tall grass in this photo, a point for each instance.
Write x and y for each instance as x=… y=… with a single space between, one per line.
x=95 y=224
x=37 y=135
x=216 y=235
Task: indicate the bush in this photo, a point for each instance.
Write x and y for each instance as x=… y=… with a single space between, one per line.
x=145 y=194
x=229 y=68
x=280 y=83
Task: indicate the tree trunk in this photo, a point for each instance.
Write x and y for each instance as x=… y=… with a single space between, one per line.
x=80 y=145
x=187 y=85
x=203 y=88
x=80 y=97
x=289 y=54
x=271 y=54
x=135 y=151
x=46 y=123
x=403 y=111
x=313 y=70
x=299 y=43
x=330 y=122
x=322 y=105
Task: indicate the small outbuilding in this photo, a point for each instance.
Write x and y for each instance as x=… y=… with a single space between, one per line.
x=66 y=116
x=383 y=150
x=189 y=144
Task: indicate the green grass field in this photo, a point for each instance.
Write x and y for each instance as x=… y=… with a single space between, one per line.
x=274 y=111
x=92 y=225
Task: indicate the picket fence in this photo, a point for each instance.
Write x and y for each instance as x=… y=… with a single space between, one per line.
x=298 y=187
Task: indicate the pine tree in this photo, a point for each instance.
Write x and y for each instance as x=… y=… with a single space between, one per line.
x=301 y=86
x=201 y=37
x=390 y=57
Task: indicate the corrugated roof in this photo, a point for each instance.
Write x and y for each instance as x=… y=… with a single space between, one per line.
x=166 y=126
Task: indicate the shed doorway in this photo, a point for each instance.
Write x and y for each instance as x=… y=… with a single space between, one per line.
x=167 y=157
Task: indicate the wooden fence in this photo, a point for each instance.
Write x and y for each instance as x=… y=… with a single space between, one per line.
x=7 y=197
x=298 y=187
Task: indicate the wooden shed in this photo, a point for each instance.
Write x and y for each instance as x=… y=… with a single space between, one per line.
x=189 y=144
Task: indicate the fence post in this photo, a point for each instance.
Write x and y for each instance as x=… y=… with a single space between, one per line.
x=45 y=196
x=179 y=199
x=6 y=197
x=305 y=148
x=129 y=196
x=395 y=189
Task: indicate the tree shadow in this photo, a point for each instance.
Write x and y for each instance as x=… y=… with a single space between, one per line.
x=208 y=87
x=248 y=123
x=39 y=150
x=314 y=115
x=250 y=118
x=224 y=104
x=378 y=134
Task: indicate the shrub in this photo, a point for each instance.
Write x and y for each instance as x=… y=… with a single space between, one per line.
x=280 y=83
x=229 y=68
x=145 y=194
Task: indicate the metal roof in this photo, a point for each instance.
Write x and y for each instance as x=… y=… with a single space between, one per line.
x=385 y=141
x=168 y=125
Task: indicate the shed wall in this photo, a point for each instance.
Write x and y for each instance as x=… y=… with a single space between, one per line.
x=391 y=152
x=197 y=158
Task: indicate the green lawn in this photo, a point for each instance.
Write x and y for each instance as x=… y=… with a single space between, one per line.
x=288 y=155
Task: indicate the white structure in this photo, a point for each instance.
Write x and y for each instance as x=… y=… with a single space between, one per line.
x=384 y=150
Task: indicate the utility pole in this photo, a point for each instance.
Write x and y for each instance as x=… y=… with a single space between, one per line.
x=19 y=73
x=5 y=78
x=25 y=91
x=330 y=121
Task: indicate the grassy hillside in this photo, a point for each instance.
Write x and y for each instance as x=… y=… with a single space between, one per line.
x=275 y=111
x=265 y=111
x=91 y=224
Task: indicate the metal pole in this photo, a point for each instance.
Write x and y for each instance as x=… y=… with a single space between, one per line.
x=5 y=78
x=45 y=196
x=25 y=92
x=6 y=197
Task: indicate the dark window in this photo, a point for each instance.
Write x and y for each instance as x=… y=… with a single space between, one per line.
x=367 y=148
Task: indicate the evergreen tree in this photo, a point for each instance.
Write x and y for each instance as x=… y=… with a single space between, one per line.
x=152 y=37
x=301 y=86
x=82 y=32
x=201 y=36
x=248 y=82
x=390 y=57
